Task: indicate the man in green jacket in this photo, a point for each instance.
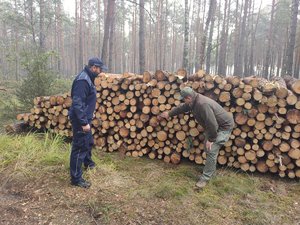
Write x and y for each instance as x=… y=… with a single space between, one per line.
x=216 y=121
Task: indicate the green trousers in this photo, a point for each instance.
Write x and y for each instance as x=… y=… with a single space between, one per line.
x=211 y=156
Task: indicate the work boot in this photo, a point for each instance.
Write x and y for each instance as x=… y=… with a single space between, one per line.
x=82 y=183
x=89 y=167
x=201 y=184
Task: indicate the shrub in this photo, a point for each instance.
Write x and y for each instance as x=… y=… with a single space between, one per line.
x=39 y=78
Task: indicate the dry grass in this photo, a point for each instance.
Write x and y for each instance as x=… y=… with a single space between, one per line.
x=132 y=191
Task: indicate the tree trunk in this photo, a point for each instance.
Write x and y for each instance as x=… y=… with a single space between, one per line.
x=224 y=39
x=204 y=37
x=124 y=58
x=239 y=59
x=80 y=36
x=111 y=36
x=198 y=39
x=60 y=38
x=237 y=31
x=17 y=63
x=185 y=62
x=269 y=45
x=297 y=63
x=76 y=35
x=107 y=26
x=253 y=33
x=42 y=36
x=247 y=34
x=288 y=59
x=218 y=40
x=99 y=27
x=142 y=37
x=209 y=44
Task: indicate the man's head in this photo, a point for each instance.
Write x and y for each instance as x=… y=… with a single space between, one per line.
x=187 y=94
x=96 y=65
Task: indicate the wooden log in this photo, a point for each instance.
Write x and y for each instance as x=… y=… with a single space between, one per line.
x=295 y=87
x=161 y=75
x=266 y=87
x=124 y=132
x=267 y=120
x=222 y=159
x=147 y=76
x=237 y=92
x=291 y=99
x=293 y=116
x=292 y=83
x=262 y=166
x=294 y=153
x=235 y=81
x=194 y=132
x=182 y=74
x=284 y=147
x=241 y=118
x=152 y=155
x=175 y=158
x=180 y=135
x=224 y=96
x=250 y=155
x=162 y=136
x=17 y=128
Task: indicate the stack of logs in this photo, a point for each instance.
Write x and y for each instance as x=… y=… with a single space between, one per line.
x=267 y=116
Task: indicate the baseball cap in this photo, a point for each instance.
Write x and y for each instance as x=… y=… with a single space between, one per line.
x=95 y=61
x=186 y=91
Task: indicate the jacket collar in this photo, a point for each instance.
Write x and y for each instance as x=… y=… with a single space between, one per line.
x=195 y=96
x=90 y=73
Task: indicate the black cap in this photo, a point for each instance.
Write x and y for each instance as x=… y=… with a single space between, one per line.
x=97 y=62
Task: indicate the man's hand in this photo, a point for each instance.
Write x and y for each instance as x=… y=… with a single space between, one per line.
x=208 y=145
x=86 y=128
x=164 y=115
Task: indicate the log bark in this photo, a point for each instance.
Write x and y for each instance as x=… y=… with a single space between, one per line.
x=265 y=137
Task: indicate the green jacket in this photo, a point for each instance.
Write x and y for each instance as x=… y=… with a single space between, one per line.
x=208 y=113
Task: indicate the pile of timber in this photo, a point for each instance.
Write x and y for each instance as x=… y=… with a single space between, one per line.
x=267 y=116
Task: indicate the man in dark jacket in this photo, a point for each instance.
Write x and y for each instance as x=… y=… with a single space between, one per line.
x=216 y=121
x=81 y=112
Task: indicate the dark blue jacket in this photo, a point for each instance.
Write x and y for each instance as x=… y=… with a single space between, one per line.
x=83 y=95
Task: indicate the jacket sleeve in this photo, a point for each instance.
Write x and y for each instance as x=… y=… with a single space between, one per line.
x=80 y=93
x=179 y=109
x=211 y=124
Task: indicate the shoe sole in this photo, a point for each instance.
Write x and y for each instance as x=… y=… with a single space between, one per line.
x=77 y=185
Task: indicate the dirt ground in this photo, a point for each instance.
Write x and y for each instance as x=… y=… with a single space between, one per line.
x=133 y=191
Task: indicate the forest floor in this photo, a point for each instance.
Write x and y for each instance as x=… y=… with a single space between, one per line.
x=35 y=189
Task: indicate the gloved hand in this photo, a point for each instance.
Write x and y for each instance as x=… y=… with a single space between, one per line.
x=163 y=115
x=208 y=145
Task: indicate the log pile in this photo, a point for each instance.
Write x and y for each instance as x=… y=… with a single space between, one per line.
x=267 y=116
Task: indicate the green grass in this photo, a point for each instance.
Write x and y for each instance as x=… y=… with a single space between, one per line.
x=253 y=216
x=33 y=154
x=9 y=108
x=136 y=190
x=170 y=191
x=230 y=185
x=143 y=191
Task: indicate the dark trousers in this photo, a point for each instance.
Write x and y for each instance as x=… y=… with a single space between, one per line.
x=81 y=152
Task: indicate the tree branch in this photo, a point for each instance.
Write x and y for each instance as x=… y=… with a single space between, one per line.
x=143 y=8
